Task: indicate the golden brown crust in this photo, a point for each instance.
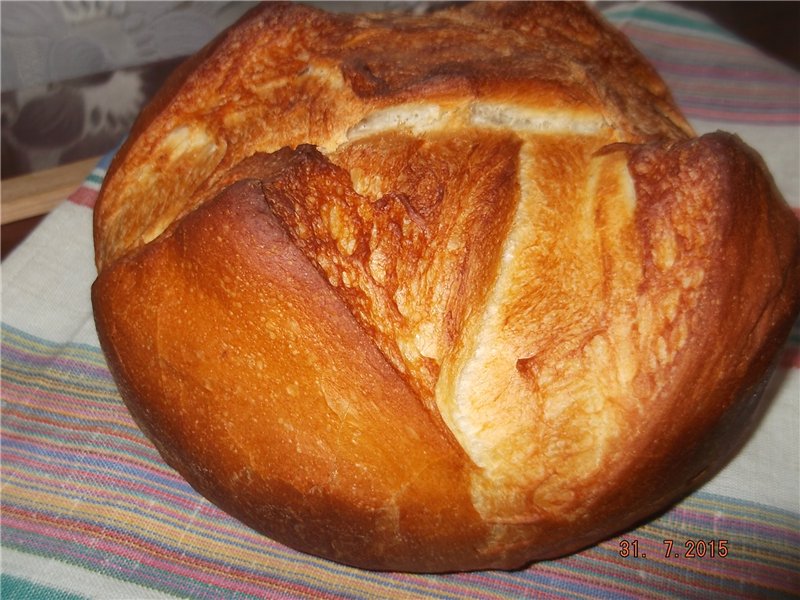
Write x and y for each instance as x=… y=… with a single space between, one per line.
x=373 y=460
x=313 y=76
x=462 y=297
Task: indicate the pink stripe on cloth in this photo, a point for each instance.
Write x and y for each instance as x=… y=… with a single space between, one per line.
x=719 y=78
x=732 y=57
x=791 y=359
x=84 y=196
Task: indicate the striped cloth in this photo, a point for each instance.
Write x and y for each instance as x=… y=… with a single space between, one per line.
x=89 y=510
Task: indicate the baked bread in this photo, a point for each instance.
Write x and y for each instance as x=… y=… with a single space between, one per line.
x=444 y=292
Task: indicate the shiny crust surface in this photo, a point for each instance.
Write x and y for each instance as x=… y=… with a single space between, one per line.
x=438 y=293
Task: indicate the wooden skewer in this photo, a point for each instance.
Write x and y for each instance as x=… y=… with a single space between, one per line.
x=38 y=193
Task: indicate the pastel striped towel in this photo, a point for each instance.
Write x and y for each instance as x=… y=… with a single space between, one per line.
x=90 y=511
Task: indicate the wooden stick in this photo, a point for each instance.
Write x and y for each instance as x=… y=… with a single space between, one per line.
x=38 y=193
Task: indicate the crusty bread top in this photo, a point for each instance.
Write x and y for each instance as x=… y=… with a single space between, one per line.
x=288 y=75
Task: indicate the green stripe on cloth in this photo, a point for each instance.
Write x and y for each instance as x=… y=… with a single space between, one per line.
x=82 y=486
x=668 y=18
x=70 y=579
x=96 y=177
x=16 y=588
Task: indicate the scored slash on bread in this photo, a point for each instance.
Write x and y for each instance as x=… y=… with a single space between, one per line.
x=438 y=293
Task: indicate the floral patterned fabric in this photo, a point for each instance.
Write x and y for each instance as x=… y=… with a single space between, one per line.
x=76 y=74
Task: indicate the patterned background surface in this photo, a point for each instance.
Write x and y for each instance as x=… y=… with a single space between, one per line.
x=76 y=74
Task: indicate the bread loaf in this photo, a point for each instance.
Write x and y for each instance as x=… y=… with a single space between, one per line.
x=445 y=292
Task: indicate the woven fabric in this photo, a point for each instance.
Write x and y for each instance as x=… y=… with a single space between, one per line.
x=89 y=510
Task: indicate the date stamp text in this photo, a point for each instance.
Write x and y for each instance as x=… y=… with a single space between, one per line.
x=692 y=549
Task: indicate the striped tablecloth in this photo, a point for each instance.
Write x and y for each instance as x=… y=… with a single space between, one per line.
x=90 y=510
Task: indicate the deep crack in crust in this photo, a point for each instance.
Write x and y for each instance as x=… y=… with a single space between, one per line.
x=465 y=276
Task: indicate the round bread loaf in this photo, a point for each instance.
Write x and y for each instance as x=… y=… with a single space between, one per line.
x=444 y=292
